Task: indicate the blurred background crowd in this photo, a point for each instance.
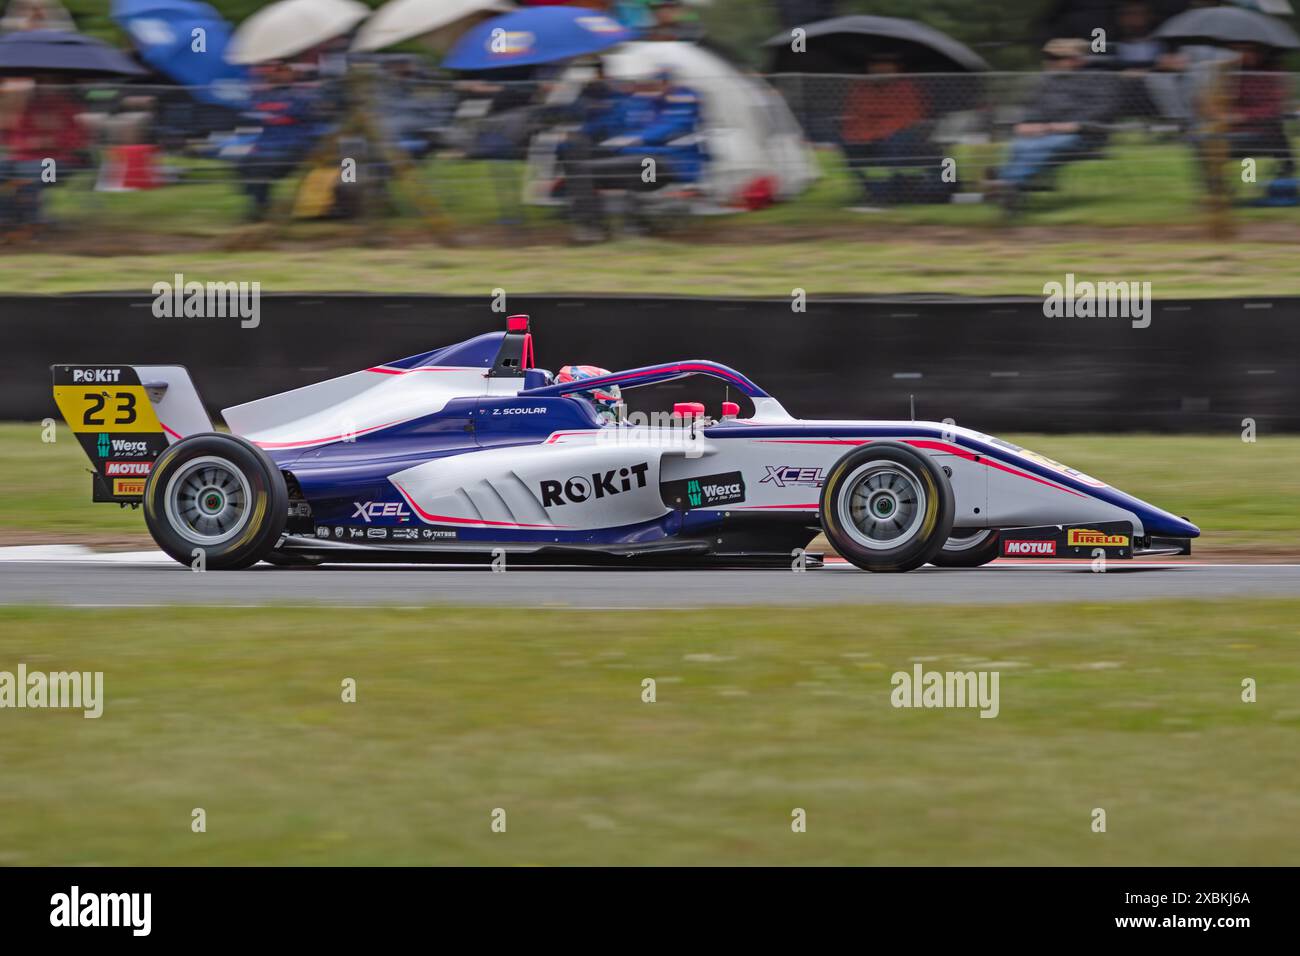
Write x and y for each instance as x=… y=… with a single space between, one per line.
x=608 y=116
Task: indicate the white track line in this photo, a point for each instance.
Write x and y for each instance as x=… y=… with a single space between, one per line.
x=80 y=554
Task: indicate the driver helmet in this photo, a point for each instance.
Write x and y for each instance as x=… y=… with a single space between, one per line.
x=605 y=400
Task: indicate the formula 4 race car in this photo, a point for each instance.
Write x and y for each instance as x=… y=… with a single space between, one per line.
x=468 y=452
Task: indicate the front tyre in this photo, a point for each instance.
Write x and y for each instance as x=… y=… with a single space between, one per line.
x=218 y=498
x=887 y=507
x=968 y=548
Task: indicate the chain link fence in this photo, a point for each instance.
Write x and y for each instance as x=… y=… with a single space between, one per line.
x=390 y=150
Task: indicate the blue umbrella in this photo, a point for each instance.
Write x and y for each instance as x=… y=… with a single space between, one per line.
x=163 y=32
x=535 y=35
x=55 y=51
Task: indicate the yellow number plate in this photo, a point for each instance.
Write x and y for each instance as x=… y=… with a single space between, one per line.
x=106 y=408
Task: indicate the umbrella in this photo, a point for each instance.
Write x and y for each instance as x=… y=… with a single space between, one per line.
x=843 y=44
x=1218 y=25
x=536 y=35
x=53 y=51
x=290 y=27
x=441 y=22
x=1278 y=7
x=163 y=34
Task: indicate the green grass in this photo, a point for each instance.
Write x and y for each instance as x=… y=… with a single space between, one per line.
x=1133 y=709
x=1135 y=214
x=899 y=265
x=1241 y=495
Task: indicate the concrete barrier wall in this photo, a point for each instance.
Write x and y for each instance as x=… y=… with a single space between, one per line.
x=998 y=365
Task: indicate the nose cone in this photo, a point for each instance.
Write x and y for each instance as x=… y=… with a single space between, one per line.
x=1164 y=525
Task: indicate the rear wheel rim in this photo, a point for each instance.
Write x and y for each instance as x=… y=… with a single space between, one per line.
x=967 y=539
x=883 y=505
x=207 y=501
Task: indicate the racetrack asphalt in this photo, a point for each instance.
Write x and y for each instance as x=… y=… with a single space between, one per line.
x=145 y=581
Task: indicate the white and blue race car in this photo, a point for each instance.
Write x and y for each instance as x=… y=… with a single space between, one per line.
x=469 y=452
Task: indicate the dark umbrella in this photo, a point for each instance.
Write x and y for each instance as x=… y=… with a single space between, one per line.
x=844 y=44
x=1218 y=25
x=54 y=51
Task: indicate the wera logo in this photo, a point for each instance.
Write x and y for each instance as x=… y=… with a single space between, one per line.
x=102 y=445
x=103 y=909
x=602 y=484
x=120 y=446
x=694 y=494
x=706 y=491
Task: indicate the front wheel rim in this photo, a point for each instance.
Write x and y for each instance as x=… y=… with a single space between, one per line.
x=883 y=505
x=207 y=501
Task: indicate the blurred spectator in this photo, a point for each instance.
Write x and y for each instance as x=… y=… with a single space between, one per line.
x=672 y=21
x=36 y=15
x=40 y=123
x=292 y=120
x=621 y=130
x=632 y=13
x=1257 y=109
x=495 y=118
x=882 y=127
x=1063 y=120
x=1135 y=48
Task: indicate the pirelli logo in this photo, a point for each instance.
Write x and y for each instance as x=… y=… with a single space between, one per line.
x=1086 y=538
x=132 y=487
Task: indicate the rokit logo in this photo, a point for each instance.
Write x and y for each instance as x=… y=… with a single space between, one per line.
x=97 y=375
x=127 y=469
x=602 y=484
x=367 y=510
x=1035 y=548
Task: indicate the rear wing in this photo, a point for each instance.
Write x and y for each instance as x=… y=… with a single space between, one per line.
x=124 y=416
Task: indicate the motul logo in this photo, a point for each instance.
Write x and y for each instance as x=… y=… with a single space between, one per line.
x=1037 y=548
x=135 y=469
x=1085 y=538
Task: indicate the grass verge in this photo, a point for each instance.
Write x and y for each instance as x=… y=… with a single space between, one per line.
x=1133 y=709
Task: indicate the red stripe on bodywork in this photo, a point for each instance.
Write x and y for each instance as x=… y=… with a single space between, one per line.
x=386 y=370
x=815 y=441
x=985 y=460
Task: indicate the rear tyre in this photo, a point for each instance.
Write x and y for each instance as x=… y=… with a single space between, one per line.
x=217 y=497
x=968 y=548
x=887 y=507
